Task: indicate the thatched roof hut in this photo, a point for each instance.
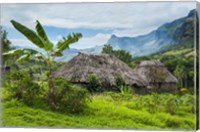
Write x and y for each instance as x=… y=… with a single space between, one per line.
x=105 y=67
x=157 y=76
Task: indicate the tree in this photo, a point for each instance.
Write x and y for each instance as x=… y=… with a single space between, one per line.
x=181 y=73
x=6 y=46
x=121 y=54
x=107 y=49
x=40 y=39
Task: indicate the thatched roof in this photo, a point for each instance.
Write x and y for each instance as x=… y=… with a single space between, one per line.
x=154 y=72
x=105 y=67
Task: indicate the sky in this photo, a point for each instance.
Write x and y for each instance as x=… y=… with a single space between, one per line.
x=96 y=21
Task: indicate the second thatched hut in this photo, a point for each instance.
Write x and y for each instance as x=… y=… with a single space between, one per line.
x=158 y=77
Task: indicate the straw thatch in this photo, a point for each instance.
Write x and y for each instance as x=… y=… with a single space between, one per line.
x=157 y=76
x=105 y=67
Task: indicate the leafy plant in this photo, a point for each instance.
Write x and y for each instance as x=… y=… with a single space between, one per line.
x=94 y=84
x=121 y=84
x=21 y=87
x=69 y=97
x=40 y=39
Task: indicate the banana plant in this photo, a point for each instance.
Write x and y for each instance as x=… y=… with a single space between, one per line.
x=40 y=39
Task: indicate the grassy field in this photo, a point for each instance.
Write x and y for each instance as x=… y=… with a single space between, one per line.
x=107 y=111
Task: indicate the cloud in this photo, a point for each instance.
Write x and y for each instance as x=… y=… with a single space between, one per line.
x=123 y=19
x=97 y=15
x=89 y=42
x=22 y=43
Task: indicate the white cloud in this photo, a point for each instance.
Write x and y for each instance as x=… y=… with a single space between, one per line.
x=22 y=43
x=124 y=19
x=89 y=42
x=134 y=15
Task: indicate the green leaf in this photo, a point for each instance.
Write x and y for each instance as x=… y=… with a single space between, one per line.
x=13 y=52
x=23 y=58
x=30 y=51
x=49 y=45
x=66 y=41
x=40 y=31
x=29 y=34
x=42 y=34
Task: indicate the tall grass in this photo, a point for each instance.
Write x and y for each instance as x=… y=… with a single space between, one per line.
x=107 y=111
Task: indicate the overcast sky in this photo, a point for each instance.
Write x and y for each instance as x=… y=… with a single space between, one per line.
x=96 y=21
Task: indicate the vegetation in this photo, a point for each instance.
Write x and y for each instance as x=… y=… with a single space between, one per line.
x=105 y=111
x=6 y=46
x=121 y=54
x=32 y=97
x=40 y=39
x=94 y=84
x=179 y=62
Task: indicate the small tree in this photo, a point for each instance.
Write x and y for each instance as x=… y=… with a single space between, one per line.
x=40 y=39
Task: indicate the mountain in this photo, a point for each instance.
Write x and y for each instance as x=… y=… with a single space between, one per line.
x=175 y=34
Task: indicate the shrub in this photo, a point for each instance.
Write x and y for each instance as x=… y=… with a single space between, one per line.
x=121 y=85
x=94 y=84
x=69 y=97
x=21 y=87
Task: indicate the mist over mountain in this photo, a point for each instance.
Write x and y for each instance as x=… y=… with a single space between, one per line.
x=175 y=34
x=172 y=35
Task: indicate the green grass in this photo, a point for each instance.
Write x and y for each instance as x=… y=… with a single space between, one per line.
x=179 y=52
x=102 y=112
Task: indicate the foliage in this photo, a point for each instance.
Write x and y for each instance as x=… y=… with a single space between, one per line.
x=107 y=49
x=103 y=112
x=6 y=46
x=121 y=54
x=179 y=62
x=153 y=103
x=20 y=86
x=40 y=39
x=69 y=97
x=94 y=84
x=118 y=96
x=121 y=85
x=172 y=104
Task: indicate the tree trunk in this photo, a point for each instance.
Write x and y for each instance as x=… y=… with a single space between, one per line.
x=51 y=94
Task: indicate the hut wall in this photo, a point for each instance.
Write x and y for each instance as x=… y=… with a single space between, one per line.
x=164 y=87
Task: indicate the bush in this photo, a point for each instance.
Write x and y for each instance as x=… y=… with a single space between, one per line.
x=94 y=84
x=70 y=98
x=121 y=85
x=20 y=86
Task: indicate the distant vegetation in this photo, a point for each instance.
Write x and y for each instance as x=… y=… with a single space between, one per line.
x=121 y=54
